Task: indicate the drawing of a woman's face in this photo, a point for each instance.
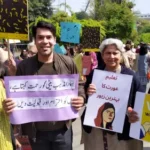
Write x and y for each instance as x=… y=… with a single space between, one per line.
x=105 y=116
x=108 y=115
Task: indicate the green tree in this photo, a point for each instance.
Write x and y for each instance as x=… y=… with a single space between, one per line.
x=145 y=37
x=82 y=15
x=118 y=17
x=38 y=8
x=64 y=17
x=143 y=26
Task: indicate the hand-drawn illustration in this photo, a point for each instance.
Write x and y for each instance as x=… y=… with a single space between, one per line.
x=145 y=128
x=70 y=32
x=14 y=19
x=105 y=116
x=90 y=37
x=141 y=129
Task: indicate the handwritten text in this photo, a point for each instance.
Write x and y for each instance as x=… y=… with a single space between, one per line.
x=41 y=85
x=109 y=87
x=112 y=77
x=109 y=98
x=42 y=102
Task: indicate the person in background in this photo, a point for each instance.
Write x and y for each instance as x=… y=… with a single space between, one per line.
x=32 y=50
x=130 y=54
x=71 y=52
x=139 y=46
x=24 y=54
x=78 y=60
x=148 y=47
x=100 y=60
x=94 y=62
x=97 y=139
x=132 y=48
x=4 y=53
x=7 y=139
x=143 y=64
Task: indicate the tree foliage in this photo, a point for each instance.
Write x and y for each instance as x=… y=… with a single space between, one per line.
x=143 y=26
x=118 y=17
x=64 y=17
x=82 y=15
x=39 y=8
x=145 y=37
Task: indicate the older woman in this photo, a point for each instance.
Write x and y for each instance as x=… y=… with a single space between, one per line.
x=97 y=139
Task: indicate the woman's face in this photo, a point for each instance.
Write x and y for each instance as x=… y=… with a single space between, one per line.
x=111 y=56
x=108 y=115
x=32 y=51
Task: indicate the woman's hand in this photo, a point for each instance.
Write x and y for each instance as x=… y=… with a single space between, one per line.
x=91 y=89
x=11 y=66
x=133 y=115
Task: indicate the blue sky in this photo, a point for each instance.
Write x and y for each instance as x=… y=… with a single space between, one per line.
x=142 y=5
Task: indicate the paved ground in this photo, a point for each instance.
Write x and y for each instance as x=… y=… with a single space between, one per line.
x=77 y=137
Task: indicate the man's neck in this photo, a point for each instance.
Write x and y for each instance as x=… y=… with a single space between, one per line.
x=46 y=59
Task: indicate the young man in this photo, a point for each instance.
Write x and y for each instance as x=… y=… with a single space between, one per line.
x=49 y=135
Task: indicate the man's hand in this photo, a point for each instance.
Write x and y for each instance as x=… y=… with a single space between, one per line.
x=8 y=105
x=77 y=102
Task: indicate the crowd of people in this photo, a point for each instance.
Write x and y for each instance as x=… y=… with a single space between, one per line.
x=40 y=59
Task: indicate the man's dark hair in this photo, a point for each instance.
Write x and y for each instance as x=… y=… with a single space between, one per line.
x=46 y=25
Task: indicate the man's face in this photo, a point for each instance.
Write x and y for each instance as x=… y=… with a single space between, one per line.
x=44 y=41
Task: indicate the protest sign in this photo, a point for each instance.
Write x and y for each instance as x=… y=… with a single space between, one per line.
x=91 y=38
x=42 y=98
x=107 y=107
x=14 y=19
x=60 y=49
x=57 y=49
x=63 y=49
x=141 y=129
x=70 y=32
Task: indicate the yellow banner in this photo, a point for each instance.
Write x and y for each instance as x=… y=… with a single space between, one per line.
x=92 y=50
x=146 y=119
x=14 y=19
x=19 y=36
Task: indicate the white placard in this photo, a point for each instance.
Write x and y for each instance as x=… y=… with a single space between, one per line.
x=107 y=107
x=141 y=129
